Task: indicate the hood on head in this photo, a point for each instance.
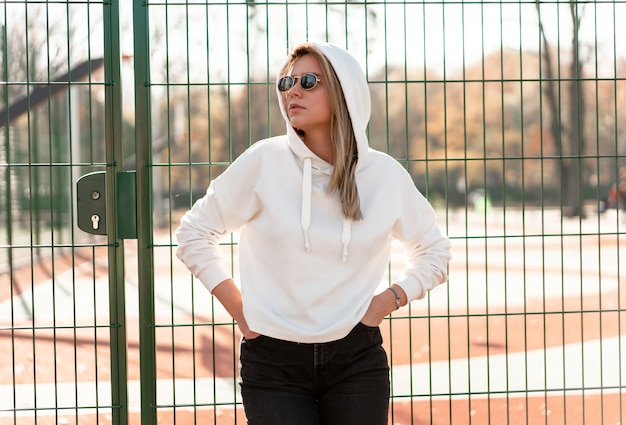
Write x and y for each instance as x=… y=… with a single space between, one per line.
x=356 y=93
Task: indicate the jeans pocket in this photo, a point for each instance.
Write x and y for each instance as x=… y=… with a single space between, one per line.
x=366 y=327
x=253 y=340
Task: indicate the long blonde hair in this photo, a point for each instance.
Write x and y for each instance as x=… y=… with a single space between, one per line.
x=344 y=144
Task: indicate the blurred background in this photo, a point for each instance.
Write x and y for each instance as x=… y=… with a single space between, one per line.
x=509 y=116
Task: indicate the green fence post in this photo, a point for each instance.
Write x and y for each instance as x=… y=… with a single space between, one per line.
x=145 y=245
x=114 y=158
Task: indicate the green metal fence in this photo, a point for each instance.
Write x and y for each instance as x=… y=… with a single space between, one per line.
x=509 y=115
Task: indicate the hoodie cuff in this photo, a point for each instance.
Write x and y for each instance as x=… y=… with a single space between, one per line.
x=211 y=278
x=412 y=289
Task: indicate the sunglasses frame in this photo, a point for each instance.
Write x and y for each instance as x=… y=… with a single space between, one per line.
x=294 y=80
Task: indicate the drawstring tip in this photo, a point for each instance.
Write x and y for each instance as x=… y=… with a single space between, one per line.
x=345 y=237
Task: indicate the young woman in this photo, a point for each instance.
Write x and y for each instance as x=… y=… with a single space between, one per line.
x=317 y=210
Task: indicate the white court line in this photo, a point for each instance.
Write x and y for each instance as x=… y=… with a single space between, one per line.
x=571 y=368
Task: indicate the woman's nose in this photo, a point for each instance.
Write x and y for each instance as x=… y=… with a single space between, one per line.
x=295 y=90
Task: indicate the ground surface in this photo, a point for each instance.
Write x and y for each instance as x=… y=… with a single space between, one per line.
x=62 y=352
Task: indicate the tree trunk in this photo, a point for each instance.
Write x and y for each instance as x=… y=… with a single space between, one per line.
x=568 y=140
x=573 y=164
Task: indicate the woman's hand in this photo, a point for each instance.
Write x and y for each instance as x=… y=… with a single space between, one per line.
x=246 y=332
x=230 y=297
x=381 y=305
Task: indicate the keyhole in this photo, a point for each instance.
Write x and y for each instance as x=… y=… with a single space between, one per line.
x=94 y=221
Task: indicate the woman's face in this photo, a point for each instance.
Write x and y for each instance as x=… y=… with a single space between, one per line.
x=308 y=110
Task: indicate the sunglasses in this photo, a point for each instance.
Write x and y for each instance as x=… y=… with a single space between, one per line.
x=308 y=81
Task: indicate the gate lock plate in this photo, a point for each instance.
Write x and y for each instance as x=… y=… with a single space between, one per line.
x=91 y=203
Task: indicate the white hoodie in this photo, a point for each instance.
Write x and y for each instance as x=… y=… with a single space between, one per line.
x=307 y=274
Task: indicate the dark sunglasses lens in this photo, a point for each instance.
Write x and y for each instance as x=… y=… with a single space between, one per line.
x=285 y=83
x=308 y=81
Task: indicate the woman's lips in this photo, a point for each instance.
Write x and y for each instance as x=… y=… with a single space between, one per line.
x=294 y=107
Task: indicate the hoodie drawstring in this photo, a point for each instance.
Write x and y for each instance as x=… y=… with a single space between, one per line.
x=306 y=202
x=306 y=212
x=345 y=237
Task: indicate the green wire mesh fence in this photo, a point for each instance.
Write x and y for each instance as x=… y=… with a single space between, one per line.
x=509 y=116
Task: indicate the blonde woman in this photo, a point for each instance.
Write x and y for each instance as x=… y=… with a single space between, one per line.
x=317 y=210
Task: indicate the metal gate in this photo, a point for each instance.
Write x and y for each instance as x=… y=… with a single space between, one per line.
x=114 y=116
x=62 y=315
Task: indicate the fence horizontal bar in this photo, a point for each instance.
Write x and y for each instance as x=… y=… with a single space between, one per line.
x=61 y=2
x=58 y=327
x=513 y=393
x=401 y=317
x=464 y=81
x=40 y=83
x=52 y=164
x=564 y=235
x=60 y=245
x=426 y=160
x=78 y=409
x=366 y=3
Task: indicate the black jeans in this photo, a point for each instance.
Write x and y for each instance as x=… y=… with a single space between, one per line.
x=342 y=382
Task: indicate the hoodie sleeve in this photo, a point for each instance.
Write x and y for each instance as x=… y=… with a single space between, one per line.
x=427 y=249
x=228 y=204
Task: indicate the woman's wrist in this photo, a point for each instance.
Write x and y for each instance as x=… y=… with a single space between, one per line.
x=399 y=292
x=397 y=301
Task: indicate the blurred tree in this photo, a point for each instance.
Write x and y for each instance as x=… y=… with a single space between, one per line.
x=567 y=127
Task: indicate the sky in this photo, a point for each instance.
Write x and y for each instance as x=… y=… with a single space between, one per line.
x=442 y=35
